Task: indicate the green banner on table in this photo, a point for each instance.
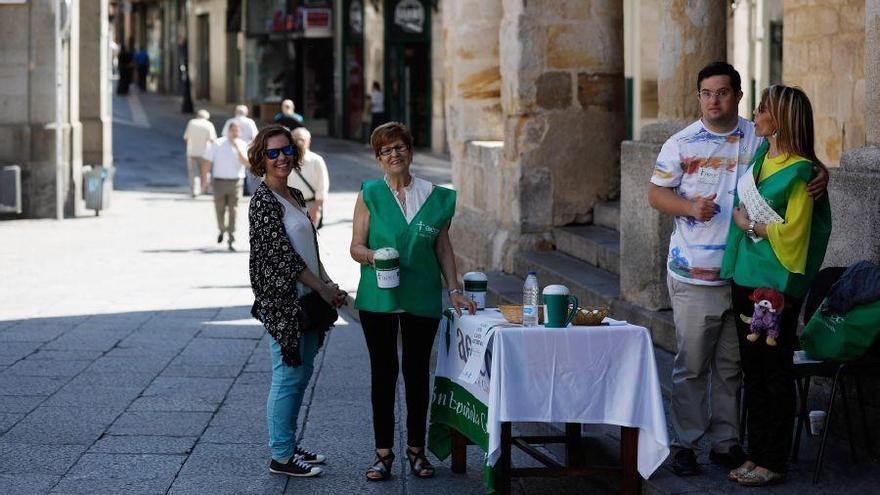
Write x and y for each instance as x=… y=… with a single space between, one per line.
x=453 y=405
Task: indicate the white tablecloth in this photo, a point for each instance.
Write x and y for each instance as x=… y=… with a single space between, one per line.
x=600 y=375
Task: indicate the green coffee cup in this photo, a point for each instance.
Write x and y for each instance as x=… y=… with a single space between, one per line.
x=560 y=307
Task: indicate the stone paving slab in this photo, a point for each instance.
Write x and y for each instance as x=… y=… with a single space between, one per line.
x=27 y=484
x=146 y=474
x=143 y=444
x=61 y=425
x=182 y=394
x=18 y=458
x=177 y=423
x=39 y=367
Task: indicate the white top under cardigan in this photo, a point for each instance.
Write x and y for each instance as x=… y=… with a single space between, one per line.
x=299 y=230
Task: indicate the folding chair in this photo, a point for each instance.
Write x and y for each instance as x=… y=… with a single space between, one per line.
x=804 y=372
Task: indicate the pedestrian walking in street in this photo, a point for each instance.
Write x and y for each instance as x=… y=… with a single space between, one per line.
x=247 y=132
x=411 y=215
x=285 y=267
x=228 y=161
x=288 y=117
x=692 y=179
x=777 y=241
x=312 y=179
x=377 y=106
x=142 y=62
x=199 y=135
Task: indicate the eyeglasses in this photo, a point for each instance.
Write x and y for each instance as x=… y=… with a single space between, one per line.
x=707 y=95
x=399 y=149
x=272 y=153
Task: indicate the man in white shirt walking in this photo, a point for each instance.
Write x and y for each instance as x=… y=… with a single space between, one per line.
x=247 y=129
x=311 y=179
x=228 y=159
x=199 y=134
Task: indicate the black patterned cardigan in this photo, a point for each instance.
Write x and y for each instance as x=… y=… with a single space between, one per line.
x=274 y=269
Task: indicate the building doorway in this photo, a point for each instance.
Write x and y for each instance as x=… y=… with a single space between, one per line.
x=408 y=66
x=203 y=56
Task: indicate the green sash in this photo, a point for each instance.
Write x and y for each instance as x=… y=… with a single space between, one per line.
x=754 y=264
x=419 y=292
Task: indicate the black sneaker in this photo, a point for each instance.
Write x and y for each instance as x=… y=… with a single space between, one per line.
x=734 y=458
x=310 y=457
x=220 y=238
x=685 y=463
x=294 y=467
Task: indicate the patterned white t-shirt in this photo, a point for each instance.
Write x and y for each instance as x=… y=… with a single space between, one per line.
x=697 y=161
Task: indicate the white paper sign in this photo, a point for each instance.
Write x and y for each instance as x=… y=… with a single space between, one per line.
x=755 y=204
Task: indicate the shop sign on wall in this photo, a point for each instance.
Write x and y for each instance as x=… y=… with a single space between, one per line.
x=410 y=16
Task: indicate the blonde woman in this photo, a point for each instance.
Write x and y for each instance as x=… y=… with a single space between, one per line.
x=775 y=247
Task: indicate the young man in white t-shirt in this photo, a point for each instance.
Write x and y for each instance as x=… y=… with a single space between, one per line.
x=695 y=179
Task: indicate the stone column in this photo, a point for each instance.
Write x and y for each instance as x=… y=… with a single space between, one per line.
x=474 y=125
x=94 y=99
x=692 y=34
x=854 y=190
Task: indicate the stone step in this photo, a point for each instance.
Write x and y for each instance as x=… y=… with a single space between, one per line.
x=593 y=287
x=598 y=246
x=607 y=214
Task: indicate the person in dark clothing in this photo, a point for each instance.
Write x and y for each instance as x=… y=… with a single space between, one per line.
x=125 y=66
x=287 y=117
x=142 y=61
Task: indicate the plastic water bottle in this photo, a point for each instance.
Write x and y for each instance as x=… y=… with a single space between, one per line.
x=530 y=301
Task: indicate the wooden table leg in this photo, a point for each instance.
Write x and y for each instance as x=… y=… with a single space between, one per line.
x=574 y=451
x=503 y=464
x=459 y=452
x=629 y=454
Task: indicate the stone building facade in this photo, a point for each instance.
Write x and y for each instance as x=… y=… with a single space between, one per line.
x=535 y=101
x=31 y=92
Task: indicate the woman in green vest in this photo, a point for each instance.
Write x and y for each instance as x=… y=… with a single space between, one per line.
x=412 y=216
x=777 y=241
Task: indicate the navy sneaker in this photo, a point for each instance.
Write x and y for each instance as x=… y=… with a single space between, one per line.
x=294 y=467
x=309 y=457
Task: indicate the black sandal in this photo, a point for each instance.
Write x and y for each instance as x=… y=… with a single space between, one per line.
x=381 y=465
x=419 y=464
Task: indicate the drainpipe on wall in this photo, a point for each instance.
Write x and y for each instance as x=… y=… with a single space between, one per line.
x=59 y=100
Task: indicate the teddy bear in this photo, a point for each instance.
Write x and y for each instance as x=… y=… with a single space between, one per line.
x=767 y=314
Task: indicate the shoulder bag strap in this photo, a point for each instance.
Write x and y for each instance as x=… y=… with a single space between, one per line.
x=307 y=184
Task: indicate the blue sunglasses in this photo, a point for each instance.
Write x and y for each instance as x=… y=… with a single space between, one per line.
x=274 y=152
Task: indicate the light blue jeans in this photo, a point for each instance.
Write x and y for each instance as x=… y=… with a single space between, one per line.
x=286 y=395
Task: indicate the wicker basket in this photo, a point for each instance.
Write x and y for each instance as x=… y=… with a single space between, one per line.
x=590 y=316
x=513 y=313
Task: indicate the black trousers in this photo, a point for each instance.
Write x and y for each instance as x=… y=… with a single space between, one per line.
x=417 y=338
x=769 y=383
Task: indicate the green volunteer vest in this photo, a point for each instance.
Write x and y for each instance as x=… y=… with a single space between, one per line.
x=754 y=264
x=419 y=292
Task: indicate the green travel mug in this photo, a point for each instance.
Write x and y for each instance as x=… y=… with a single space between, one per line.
x=560 y=307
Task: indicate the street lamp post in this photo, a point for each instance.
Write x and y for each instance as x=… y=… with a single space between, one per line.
x=187 y=105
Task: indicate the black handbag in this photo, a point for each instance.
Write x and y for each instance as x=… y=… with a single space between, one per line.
x=315 y=313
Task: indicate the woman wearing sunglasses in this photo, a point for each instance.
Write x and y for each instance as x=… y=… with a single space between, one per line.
x=411 y=215
x=285 y=266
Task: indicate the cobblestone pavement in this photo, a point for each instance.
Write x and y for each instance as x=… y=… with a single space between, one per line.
x=129 y=363
x=128 y=360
